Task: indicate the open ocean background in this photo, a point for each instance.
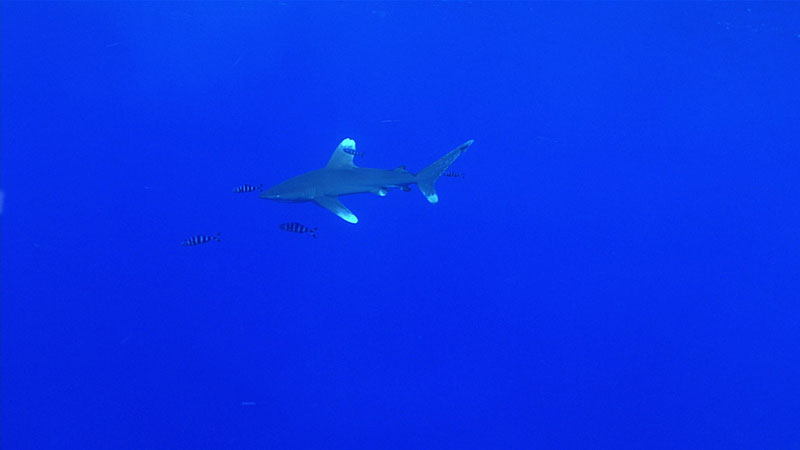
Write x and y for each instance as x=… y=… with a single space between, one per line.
x=619 y=267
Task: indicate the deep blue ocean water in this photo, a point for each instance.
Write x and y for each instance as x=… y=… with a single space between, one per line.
x=618 y=268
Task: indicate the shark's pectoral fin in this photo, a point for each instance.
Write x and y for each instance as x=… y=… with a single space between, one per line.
x=335 y=206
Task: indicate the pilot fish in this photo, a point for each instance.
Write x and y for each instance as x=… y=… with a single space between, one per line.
x=248 y=188
x=200 y=239
x=295 y=227
x=453 y=174
x=353 y=152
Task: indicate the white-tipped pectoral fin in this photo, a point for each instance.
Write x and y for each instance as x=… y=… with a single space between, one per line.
x=333 y=205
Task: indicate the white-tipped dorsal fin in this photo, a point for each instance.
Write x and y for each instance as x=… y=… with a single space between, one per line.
x=335 y=206
x=342 y=157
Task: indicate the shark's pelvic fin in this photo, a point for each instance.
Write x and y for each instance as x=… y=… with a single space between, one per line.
x=427 y=177
x=335 y=206
x=342 y=157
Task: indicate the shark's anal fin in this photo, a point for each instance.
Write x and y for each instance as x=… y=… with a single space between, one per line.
x=335 y=206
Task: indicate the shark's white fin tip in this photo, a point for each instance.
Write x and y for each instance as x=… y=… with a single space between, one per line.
x=335 y=206
x=427 y=177
x=342 y=157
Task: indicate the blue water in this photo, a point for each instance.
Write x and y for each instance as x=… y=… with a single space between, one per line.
x=618 y=268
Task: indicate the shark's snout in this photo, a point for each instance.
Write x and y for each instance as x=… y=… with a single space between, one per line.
x=270 y=194
x=277 y=194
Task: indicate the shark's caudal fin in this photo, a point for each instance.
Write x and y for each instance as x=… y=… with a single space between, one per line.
x=427 y=177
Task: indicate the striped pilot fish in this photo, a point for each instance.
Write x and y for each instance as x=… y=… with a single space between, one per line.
x=353 y=152
x=200 y=239
x=248 y=188
x=295 y=227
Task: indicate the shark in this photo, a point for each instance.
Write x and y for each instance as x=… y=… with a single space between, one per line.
x=341 y=176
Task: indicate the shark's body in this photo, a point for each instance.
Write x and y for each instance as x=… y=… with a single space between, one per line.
x=341 y=177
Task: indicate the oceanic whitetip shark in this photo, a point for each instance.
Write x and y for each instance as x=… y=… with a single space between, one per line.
x=341 y=177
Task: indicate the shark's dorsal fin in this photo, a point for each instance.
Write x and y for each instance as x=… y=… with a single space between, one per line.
x=335 y=206
x=342 y=157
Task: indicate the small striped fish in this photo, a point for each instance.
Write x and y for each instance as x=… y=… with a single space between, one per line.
x=200 y=239
x=454 y=174
x=248 y=188
x=295 y=227
x=354 y=152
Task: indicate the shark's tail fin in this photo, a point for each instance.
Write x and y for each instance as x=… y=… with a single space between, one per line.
x=427 y=177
